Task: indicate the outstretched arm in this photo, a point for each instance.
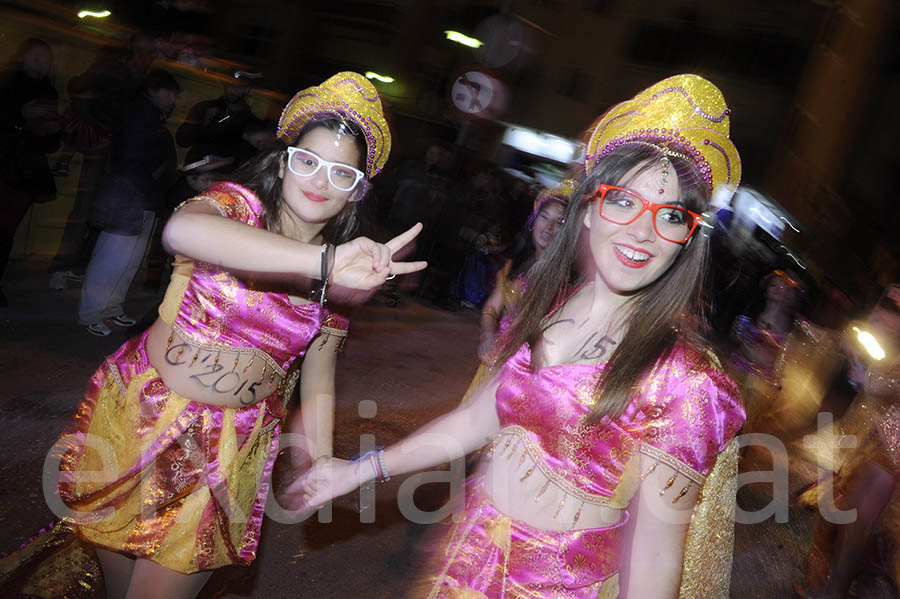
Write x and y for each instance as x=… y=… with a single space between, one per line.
x=448 y=437
x=314 y=419
x=199 y=232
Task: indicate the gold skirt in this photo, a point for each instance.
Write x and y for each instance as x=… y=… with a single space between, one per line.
x=152 y=474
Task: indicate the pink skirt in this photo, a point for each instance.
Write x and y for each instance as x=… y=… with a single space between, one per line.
x=490 y=555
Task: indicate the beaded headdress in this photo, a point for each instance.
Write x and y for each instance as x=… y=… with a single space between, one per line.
x=684 y=116
x=347 y=95
x=561 y=192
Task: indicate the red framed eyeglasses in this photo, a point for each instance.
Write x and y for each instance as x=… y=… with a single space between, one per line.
x=622 y=206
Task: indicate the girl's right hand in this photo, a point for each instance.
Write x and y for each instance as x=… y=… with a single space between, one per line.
x=364 y=264
x=327 y=479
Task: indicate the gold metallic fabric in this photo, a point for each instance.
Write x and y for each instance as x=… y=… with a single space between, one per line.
x=708 y=549
x=351 y=96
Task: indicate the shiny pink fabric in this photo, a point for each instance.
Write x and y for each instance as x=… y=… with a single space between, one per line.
x=687 y=408
x=491 y=554
x=213 y=308
x=218 y=307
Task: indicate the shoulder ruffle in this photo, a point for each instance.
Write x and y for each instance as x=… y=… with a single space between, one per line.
x=689 y=408
x=232 y=201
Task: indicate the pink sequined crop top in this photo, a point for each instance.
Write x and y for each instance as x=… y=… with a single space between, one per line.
x=215 y=309
x=686 y=413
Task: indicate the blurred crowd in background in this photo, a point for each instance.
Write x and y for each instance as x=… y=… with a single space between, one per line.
x=94 y=158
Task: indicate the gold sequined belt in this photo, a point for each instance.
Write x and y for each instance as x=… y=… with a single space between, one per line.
x=507 y=443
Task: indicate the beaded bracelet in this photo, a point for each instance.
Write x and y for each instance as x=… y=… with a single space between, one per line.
x=376 y=458
x=384 y=471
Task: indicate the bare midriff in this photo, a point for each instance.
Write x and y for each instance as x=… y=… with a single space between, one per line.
x=210 y=375
x=519 y=488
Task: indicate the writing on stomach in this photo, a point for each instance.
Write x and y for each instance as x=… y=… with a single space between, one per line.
x=220 y=377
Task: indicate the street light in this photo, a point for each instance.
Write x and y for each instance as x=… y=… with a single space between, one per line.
x=97 y=14
x=377 y=77
x=868 y=341
x=465 y=40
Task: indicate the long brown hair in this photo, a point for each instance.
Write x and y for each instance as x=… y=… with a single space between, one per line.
x=260 y=175
x=667 y=311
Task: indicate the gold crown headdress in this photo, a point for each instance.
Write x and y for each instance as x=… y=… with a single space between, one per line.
x=350 y=96
x=561 y=192
x=683 y=115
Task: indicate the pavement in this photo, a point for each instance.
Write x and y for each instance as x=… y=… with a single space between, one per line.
x=413 y=360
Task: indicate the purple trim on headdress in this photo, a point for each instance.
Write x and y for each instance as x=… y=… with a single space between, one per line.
x=375 y=161
x=614 y=119
x=360 y=88
x=663 y=137
x=697 y=109
x=710 y=142
x=365 y=125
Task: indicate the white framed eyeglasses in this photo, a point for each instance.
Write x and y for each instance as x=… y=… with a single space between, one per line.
x=304 y=163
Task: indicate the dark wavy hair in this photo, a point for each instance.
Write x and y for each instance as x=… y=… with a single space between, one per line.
x=260 y=175
x=668 y=310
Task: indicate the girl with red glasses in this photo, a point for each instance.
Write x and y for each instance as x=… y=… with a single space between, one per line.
x=608 y=423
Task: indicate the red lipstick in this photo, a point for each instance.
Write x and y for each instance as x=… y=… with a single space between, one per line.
x=314 y=197
x=640 y=258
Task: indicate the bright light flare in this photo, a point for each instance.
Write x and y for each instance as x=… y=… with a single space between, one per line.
x=97 y=14
x=868 y=341
x=377 y=77
x=465 y=40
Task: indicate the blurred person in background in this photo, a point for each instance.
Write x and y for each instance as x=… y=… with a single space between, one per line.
x=143 y=166
x=97 y=99
x=759 y=341
x=866 y=474
x=541 y=227
x=193 y=179
x=29 y=131
x=216 y=127
x=420 y=194
x=485 y=234
x=470 y=221
x=192 y=409
x=607 y=413
x=257 y=136
x=498 y=312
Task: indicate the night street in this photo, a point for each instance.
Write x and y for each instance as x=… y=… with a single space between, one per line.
x=414 y=361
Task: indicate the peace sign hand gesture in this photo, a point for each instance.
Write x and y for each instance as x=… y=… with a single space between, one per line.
x=364 y=264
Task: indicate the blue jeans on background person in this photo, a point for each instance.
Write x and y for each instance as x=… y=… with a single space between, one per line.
x=114 y=262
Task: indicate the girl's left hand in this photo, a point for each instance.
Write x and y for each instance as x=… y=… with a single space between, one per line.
x=327 y=479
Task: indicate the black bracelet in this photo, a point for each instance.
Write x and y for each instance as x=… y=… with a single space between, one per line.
x=323 y=271
x=332 y=252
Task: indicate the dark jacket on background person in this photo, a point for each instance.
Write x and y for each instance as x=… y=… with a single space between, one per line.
x=142 y=168
x=212 y=128
x=24 y=145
